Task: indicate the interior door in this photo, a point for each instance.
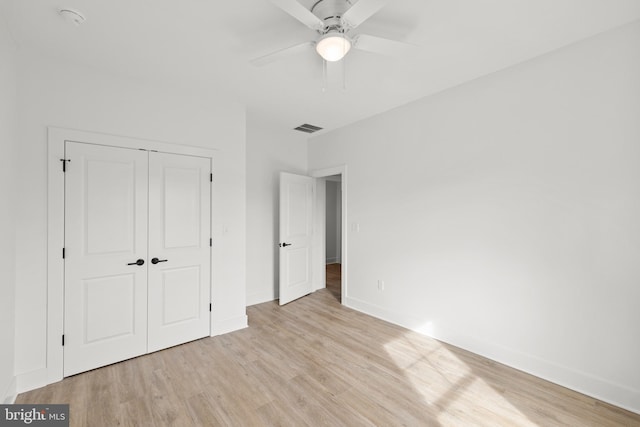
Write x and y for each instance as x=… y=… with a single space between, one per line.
x=105 y=256
x=296 y=232
x=179 y=249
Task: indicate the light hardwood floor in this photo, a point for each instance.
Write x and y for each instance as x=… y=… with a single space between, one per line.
x=314 y=362
x=333 y=282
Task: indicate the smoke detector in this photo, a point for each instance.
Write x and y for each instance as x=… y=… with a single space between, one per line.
x=73 y=16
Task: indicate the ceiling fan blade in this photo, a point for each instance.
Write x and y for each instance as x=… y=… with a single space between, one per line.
x=281 y=54
x=361 y=11
x=302 y=14
x=383 y=46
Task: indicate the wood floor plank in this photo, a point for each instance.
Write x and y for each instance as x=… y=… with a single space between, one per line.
x=315 y=362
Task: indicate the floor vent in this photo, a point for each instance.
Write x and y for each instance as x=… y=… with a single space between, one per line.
x=308 y=128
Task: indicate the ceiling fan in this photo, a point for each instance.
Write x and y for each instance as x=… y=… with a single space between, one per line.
x=334 y=20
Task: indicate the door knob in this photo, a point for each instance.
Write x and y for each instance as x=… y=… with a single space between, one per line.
x=138 y=262
x=156 y=260
x=284 y=245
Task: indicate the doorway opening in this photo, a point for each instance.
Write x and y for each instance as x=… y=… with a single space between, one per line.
x=330 y=259
x=304 y=245
x=333 y=235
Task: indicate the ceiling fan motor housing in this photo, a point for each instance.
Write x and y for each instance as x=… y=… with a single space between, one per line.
x=330 y=12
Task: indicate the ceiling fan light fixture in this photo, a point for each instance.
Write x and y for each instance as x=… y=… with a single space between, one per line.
x=333 y=46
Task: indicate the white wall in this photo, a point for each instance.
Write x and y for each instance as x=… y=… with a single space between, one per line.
x=333 y=217
x=8 y=102
x=503 y=215
x=269 y=152
x=59 y=94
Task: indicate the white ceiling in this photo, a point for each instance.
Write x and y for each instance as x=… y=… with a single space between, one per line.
x=206 y=45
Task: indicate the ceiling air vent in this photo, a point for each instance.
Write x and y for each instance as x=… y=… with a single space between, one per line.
x=308 y=128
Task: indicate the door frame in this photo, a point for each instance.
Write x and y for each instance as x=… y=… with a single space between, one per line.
x=319 y=261
x=56 y=139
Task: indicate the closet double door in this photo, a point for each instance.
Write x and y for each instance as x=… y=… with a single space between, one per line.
x=137 y=253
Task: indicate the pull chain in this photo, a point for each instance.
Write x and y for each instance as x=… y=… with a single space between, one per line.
x=344 y=73
x=324 y=75
x=344 y=63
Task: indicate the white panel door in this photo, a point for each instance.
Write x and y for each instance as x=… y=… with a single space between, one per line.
x=296 y=229
x=179 y=250
x=105 y=236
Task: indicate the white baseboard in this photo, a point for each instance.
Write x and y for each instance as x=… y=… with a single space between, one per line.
x=229 y=325
x=260 y=297
x=582 y=382
x=32 y=380
x=334 y=260
x=10 y=394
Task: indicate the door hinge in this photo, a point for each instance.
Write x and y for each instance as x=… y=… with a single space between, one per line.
x=63 y=340
x=210 y=305
x=210 y=177
x=64 y=164
x=63 y=253
x=210 y=242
